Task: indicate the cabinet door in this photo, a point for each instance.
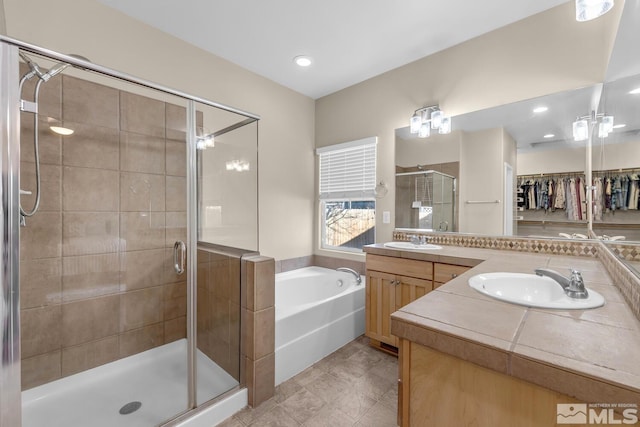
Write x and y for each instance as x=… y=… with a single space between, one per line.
x=380 y=303
x=409 y=289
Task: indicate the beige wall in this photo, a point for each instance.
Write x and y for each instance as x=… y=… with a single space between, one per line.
x=286 y=131
x=546 y=53
x=481 y=171
x=3 y=23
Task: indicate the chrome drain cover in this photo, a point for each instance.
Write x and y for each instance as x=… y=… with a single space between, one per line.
x=130 y=408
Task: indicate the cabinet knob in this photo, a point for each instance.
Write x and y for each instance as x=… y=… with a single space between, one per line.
x=454 y=275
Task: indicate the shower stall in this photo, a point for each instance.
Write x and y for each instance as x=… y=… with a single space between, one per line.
x=128 y=211
x=425 y=200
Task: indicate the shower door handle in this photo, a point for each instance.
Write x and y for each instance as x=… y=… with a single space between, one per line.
x=179 y=252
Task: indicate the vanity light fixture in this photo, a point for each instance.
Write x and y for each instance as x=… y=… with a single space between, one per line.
x=586 y=10
x=426 y=118
x=302 y=61
x=540 y=109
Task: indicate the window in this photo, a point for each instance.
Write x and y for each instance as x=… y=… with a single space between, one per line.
x=347 y=200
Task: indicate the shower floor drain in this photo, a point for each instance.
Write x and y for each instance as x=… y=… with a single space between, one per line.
x=130 y=408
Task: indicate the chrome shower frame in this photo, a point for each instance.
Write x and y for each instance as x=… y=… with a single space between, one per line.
x=10 y=388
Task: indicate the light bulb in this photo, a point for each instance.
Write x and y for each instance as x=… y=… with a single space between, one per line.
x=607 y=121
x=416 y=122
x=602 y=131
x=580 y=130
x=436 y=119
x=587 y=10
x=425 y=131
x=445 y=125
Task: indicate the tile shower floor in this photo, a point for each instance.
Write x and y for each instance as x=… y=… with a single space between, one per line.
x=354 y=386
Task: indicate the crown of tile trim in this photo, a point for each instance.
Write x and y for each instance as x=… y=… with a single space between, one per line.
x=543 y=246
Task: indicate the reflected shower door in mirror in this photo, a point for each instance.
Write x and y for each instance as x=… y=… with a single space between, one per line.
x=425 y=200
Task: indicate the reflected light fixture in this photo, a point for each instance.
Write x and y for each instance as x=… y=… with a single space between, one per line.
x=580 y=130
x=581 y=126
x=205 y=141
x=426 y=118
x=549 y=135
x=55 y=126
x=620 y=126
x=586 y=10
x=61 y=130
x=540 y=109
x=635 y=91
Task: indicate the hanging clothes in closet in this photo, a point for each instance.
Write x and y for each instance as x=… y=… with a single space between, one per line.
x=611 y=191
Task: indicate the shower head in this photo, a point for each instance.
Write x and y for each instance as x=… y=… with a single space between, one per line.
x=52 y=72
x=35 y=69
x=59 y=67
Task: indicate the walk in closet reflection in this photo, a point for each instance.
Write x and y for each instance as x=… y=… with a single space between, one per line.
x=555 y=204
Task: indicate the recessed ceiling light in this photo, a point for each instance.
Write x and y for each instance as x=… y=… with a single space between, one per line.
x=635 y=91
x=540 y=109
x=619 y=126
x=549 y=135
x=302 y=60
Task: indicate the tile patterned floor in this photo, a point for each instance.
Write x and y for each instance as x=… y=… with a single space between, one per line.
x=354 y=386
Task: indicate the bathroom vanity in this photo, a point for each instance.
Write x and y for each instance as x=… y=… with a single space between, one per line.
x=394 y=280
x=467 y=359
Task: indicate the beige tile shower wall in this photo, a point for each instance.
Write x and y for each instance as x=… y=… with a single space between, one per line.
x=97 y=281
x=218 y=307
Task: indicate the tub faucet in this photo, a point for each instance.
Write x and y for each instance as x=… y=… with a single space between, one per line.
x=573 y=286
x=352 y=271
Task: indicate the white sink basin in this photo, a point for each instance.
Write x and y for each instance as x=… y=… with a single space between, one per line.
x=531 y=290
x=412 y=246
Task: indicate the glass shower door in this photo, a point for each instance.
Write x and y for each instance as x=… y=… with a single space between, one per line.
x=103 y=310
x=227 y=230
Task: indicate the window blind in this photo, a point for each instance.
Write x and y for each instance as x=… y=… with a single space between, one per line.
x=348 y=170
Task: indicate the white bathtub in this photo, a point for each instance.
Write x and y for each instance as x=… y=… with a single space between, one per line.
x=318 y=310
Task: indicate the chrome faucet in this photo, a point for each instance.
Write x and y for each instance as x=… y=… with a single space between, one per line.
x=419 y=239
x=573 y=286
x=352 y=271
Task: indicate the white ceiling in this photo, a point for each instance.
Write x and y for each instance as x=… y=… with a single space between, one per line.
x=349 y=40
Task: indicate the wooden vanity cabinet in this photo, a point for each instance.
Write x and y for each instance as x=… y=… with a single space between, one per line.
x=391 y=284
x=394 y=282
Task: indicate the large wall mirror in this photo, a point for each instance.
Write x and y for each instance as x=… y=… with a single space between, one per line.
x=517 y=169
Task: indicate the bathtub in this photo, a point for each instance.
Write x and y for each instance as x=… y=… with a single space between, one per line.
x=317 y=311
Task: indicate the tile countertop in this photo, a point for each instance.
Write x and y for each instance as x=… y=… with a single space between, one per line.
x=591 y=355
